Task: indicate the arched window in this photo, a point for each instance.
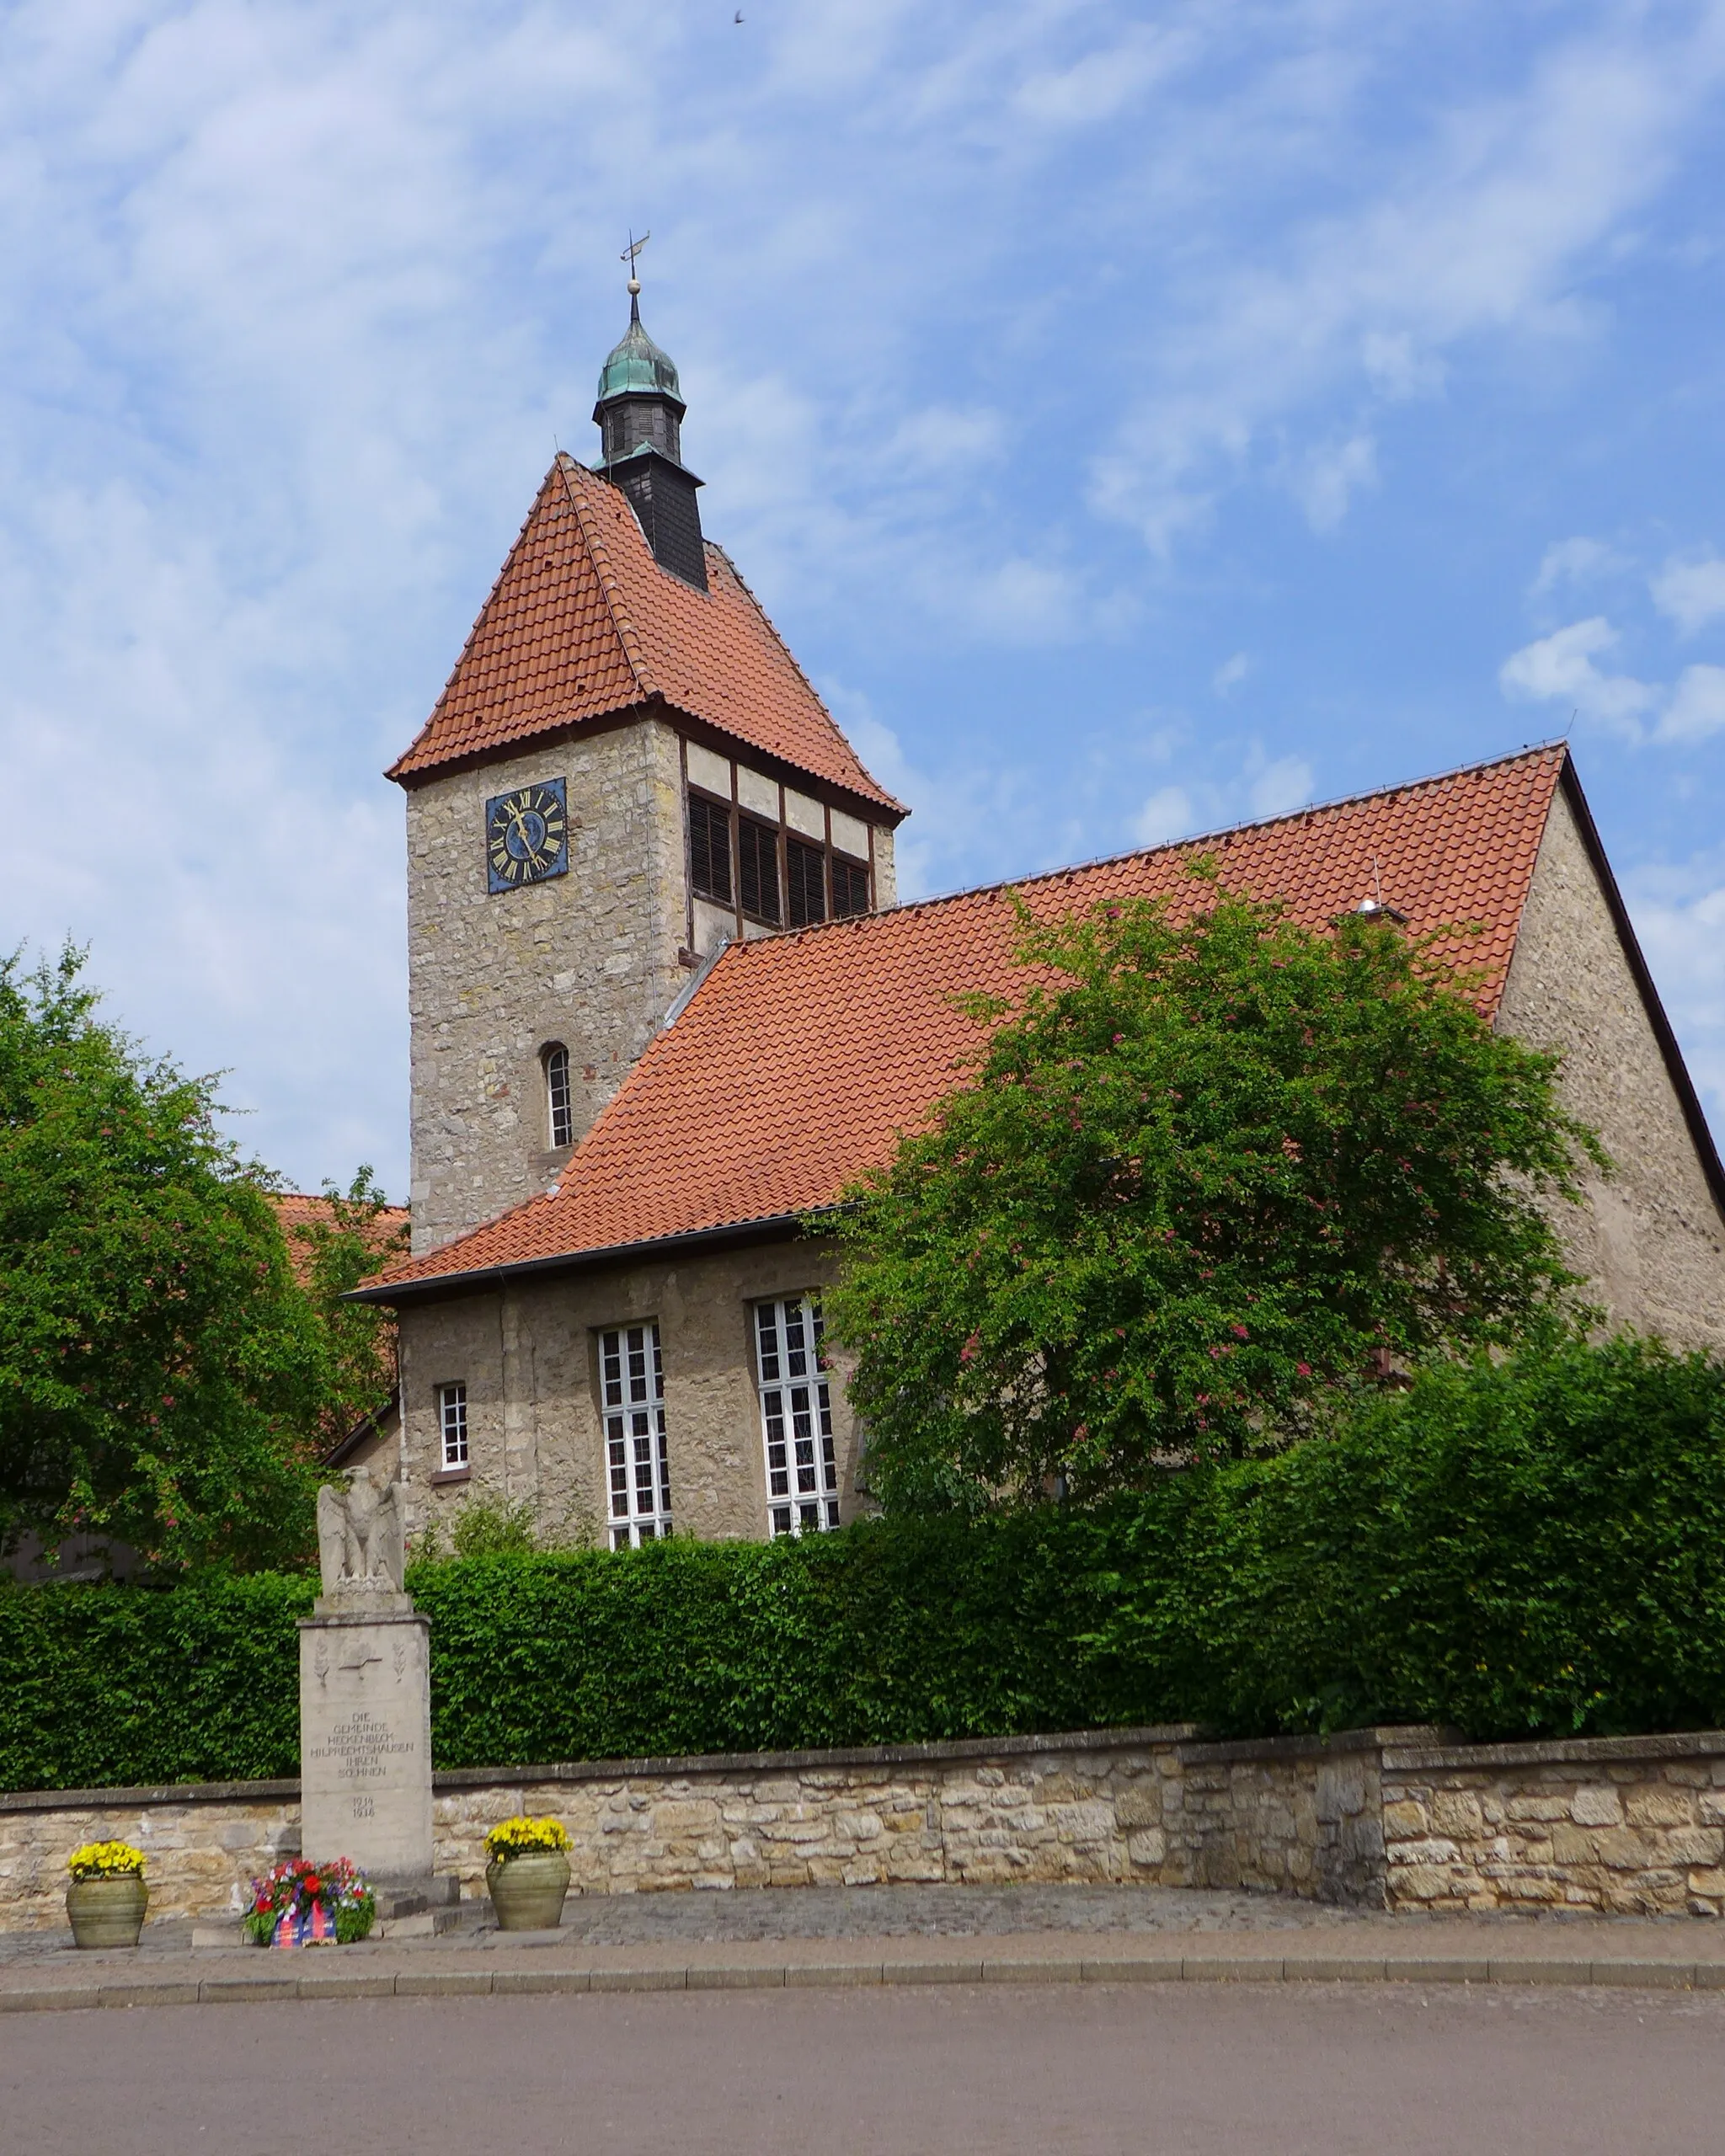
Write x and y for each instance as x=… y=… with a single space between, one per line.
x=559 y=1106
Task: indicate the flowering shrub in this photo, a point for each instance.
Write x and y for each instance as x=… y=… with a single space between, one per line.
x=315 y=1898
x=106 y=1861
x=522 y=1836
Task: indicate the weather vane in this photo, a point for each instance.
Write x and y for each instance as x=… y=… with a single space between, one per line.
x=628 y=255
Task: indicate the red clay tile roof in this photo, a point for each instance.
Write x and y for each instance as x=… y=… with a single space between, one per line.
x=299 y=1209
x=583 y=622
x=801 y=1058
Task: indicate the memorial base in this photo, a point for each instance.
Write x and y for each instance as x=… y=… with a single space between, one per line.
x=366 y=1737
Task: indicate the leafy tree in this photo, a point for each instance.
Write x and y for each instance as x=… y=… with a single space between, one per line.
x=333 y=1253
x=163 y=1375
x=1212 y=1169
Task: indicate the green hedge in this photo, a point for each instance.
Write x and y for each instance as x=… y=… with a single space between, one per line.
x=1537 y=1547
x=105 y=1685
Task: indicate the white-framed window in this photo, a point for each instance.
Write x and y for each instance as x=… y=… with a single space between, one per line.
x=452 y=1425
x=796 y=1417
x=560 y=1102
x=631 y=1378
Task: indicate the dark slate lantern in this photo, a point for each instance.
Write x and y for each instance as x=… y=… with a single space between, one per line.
x=639 y=417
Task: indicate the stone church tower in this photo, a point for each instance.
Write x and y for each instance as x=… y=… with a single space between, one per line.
x=626 y=770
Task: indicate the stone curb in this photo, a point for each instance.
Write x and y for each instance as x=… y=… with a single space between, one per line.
x=279 y=1985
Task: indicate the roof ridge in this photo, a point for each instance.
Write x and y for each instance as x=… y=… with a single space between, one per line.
x=1529 y=754
x=772 y=628
x=326 y=1197
x=621 y=620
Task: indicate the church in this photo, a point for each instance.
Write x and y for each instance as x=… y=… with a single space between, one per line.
x=664 y=1005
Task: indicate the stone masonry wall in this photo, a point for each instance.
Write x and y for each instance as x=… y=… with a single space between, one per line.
x=1626 y=1826
x=1292 y=1816
x=526 y=1352
x=1375 y=1818
x=201 y=1843
x=1075 y=1808
x=1650 y=1239
x=588 y=959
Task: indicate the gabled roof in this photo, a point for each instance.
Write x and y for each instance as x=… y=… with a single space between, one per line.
x=800 y=1058
x=299 y=1210
x=583 y=623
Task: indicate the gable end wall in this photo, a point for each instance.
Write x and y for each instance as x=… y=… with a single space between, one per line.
x=1651 y=1240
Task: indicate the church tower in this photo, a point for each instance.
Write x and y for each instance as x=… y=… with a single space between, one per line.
x=626 y=769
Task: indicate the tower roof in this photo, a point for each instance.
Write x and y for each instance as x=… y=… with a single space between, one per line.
x=584 y=624
x=637 y=365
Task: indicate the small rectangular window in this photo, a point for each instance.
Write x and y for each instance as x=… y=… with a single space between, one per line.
x=850 y=888
x=452 y=1424
x=757 y=869
x=805 y=873
x=631 y=1378
x=710 y=850
x=796 y=1417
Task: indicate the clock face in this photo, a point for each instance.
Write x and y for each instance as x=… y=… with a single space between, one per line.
x=527 y=836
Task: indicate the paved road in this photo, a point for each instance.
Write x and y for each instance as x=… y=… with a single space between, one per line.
x=1155 y=2070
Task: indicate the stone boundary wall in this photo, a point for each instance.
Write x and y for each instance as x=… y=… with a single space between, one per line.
x=1401 y=1818
x=1633 y=1826
x=202 y=1841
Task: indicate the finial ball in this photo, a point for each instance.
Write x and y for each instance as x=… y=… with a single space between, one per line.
x=634 y=287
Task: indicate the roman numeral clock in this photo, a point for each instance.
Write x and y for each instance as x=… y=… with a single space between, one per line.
x=527 y=836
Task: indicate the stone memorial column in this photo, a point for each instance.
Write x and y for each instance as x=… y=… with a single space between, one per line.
x=366 y=1696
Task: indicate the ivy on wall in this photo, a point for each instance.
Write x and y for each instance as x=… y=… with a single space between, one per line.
x=1535 y=1546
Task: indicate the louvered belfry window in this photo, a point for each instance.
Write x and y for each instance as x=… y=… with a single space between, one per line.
x=632 y=1377
x=710 y=850
x=796 y=1417
x=850 y=888
x=805 y=874
x=757 y=869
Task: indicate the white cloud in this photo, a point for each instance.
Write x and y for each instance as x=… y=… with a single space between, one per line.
x=1573 y=561
x=1680 y=919
x=1690 y=593
x=1329 y=477
x=1106 y=81
x=1477 y=225
x=1696 y=710
x=1561 y=668
x=1281 y=787
x=1397 y=369
x=1231 y=673
x=1167 y=815
x=944 y=435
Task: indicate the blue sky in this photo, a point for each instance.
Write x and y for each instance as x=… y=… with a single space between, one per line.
x=1136 y=418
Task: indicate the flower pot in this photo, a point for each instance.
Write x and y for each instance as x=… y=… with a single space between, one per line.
x=107 y=1911
x=527 y=1891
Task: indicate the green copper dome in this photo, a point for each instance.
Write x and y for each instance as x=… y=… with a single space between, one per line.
x=637 y=364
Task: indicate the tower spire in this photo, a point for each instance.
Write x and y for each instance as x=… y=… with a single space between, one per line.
x=639 y=415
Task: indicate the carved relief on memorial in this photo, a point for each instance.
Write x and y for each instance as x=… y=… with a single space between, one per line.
x=361 y=1538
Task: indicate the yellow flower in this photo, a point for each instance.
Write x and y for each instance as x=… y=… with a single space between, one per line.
x=524 y=1837
x=106 y=1861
